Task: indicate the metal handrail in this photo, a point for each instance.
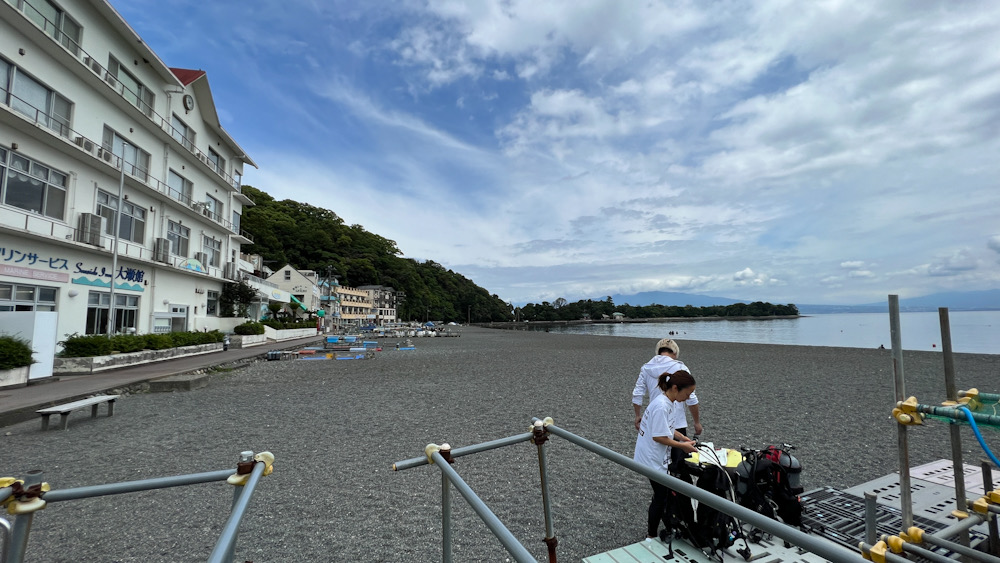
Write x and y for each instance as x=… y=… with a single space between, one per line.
x=101 y=152
x=120 y=89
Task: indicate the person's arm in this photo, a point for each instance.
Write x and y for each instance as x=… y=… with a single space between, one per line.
x=685 y=446
x=696 y=415
x=638 y=392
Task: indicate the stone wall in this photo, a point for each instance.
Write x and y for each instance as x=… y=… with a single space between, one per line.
x=83 y=366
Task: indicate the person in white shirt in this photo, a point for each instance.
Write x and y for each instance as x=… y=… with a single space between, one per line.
x=665 y=361
x=657 y=438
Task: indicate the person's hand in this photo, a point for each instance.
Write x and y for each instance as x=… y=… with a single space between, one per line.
x=697 y=429
x=689 y=446
x=638 y=419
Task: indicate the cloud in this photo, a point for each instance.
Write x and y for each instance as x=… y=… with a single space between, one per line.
x=956 y=263
x=993 y=243
x=853 y=264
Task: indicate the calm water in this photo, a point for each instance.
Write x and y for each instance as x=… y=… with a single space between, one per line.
x=971 y=331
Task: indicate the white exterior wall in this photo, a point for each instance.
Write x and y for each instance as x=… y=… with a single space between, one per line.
x=43 y=251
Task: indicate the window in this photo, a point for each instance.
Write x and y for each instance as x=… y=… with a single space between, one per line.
x=98 y=309
x=178 y=235
x=182 y=132
x=21 y=297
x=236 y=222
x=133 y=223
x=212 y=308
x=39 y=103
x=218 y=163
x=237 y=179
x=213 y=208
x=288 y=275
x=132 y=90
x=136 y=159
x=180 y=187
x=213 y=249
x=32 y=186
x=54 y=21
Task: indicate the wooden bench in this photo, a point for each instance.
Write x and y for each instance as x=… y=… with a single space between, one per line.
x=65 y=409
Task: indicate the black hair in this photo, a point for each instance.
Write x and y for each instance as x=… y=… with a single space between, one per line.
x=679 y=379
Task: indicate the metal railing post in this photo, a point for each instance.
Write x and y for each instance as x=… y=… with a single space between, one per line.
x=954 y=431
x=246 y=456
x=445 y=520
x=988 y=486
x=871 y=521
x=227 y=538
x=903 y=441
x=540 y=437
x=21 y=526
x=510 y=543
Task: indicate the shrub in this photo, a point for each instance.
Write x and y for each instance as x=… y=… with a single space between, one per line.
x=275 y=324
x=14 y=353
x=126 y=343
x=184 y=338
x=78 y=346
x=157 y=341
x=249 y=327
x=211 y=337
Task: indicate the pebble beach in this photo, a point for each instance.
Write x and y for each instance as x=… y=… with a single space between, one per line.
x=336 y=428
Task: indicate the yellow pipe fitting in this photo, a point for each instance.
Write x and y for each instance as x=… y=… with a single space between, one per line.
x=993 y=496
x=981 y=506
x=25 y=506
x=548 y=421
x=907 y=419
x=8 y=481
x=267 y=458
x=864 y=552
x=895 y=543
x=971 y=393
x=877 y=552
x=432 y=448
x=960 y=514
x=909 y=405
x=914 y=534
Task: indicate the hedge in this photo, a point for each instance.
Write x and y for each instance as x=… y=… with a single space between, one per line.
x=79 y=346
x=249 y=327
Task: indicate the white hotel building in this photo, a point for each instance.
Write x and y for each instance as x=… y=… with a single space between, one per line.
x=84 y=106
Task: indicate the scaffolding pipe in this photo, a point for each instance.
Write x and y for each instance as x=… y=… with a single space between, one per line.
x=871 y=520
x=227 y=540
x=4 y=493
x=246 y=456
x=988 y=486
x=550 y=535
x=922 y=552
x=510 y=543
x=5 y=534
x=21 y=526
x=821 y=547
x=954 y=431
x=960 y=549
x=984 y=397
x=889 y=556
x=445 y=520
x=957 y=414
x=466 y=450
x=136 y=486
x=954 y=529
x=902 y=438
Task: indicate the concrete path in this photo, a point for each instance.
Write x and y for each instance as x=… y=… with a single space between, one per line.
x=20 y=404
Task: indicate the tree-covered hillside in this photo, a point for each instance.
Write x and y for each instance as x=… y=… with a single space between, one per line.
x=310 y=238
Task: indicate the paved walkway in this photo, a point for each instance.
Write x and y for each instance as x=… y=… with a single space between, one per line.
x=17 y=405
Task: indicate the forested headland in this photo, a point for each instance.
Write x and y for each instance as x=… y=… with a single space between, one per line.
x=311 y=238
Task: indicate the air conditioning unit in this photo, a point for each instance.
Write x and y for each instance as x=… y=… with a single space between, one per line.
x=111 y=80
x=89 y=229
x=161 y=250
x=93 y=64
x=202 y=157
x=105 y=154
x=206 y=211
x=230 y=271
x=84 y=143
x=202 y=257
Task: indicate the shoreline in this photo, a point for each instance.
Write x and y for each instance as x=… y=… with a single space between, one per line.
x=337 y=427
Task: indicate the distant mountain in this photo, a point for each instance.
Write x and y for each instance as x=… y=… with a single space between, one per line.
x=674 y=298
x=988 y=300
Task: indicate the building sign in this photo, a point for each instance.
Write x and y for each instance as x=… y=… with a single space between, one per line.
x=14 y=262
x=33 y=274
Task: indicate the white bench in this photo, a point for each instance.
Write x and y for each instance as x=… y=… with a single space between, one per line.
x=65 y=409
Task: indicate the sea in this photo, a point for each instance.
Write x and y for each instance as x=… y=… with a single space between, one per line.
x=975 y=332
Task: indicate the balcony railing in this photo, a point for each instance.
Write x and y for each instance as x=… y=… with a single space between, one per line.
x=100 y=152
x=51 y=30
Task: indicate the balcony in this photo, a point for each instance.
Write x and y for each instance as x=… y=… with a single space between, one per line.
x=49 y=30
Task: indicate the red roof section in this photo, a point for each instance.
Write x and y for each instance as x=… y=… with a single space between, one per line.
x=187 y=76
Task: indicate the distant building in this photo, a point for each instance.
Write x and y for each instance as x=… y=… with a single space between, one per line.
x=356 y=307
x=87 y=107
x=302 y=286
x=383 y=303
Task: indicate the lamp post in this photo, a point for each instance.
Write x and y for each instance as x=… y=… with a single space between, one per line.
x=114 y=250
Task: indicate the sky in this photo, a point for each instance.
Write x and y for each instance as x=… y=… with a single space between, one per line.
x=827 y=152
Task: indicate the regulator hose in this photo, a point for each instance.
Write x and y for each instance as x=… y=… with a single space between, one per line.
x=979 y=436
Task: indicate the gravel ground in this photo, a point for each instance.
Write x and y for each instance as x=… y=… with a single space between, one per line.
x=336 y=428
